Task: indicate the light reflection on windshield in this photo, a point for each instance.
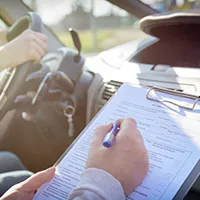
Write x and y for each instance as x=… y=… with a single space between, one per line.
x=101 y=24
x=173 y=5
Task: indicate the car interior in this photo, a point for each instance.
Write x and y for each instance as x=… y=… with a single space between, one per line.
x=165 y=60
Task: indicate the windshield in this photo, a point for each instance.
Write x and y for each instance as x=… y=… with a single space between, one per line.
x=101 y=25
x=172 y=5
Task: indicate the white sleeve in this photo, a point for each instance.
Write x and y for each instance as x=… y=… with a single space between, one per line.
x=99 y=185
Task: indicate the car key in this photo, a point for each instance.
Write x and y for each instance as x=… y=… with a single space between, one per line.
x=69 y=113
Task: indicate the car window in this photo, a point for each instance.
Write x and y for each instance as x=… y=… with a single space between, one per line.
x=101 y=25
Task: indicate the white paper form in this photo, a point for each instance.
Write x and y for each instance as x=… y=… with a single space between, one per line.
x=172 y=139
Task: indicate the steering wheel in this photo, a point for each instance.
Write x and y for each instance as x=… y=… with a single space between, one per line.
x=15 y=79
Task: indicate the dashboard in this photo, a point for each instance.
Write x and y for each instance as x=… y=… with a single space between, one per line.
x=128 y=64
x=105 y=73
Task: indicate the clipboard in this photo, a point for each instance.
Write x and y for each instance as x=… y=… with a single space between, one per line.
x=174 y=92
x=196 y=170
x=186 y=186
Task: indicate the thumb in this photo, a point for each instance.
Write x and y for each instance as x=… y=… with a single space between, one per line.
x=38 y=179
x=101 y=132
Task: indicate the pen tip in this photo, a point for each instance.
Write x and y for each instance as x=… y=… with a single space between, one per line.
x=107 y=144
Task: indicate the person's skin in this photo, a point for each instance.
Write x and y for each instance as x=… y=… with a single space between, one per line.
x=3 y=38
x=127 y=161
x=26 y=189
x=28 y=46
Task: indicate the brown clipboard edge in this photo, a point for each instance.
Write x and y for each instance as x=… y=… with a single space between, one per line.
x=185 y=186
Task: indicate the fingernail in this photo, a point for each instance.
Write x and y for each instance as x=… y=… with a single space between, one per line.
x=50 y=169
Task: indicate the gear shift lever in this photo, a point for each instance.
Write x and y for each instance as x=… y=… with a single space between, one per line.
x=77 y=44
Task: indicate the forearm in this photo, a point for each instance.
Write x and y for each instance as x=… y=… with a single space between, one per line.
x=99 y=185
x=9 y=56
x=3 y=37
x=5 y=59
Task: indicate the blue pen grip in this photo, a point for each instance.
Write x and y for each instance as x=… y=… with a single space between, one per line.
x=108 y=140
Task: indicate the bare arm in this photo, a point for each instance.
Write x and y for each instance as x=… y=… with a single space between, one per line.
x=3 y=38
x=28 y=46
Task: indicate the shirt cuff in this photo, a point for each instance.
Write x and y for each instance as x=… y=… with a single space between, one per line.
x=102 y=183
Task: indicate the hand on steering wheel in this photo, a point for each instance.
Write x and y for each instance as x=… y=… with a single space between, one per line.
x=14 y=84
x=28 y=46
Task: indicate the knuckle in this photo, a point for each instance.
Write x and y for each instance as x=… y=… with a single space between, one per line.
x=31 y=49
x=30 y=39
x=32 y=44
x=131 y=138
x=45 y=47
x=131 y=121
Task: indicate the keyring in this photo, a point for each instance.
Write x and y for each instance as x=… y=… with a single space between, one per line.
x=69 y=111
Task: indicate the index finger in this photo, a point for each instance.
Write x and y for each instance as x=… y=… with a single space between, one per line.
x=127 y=127
x=41 y=36
x=123 y=122
x=38 y=179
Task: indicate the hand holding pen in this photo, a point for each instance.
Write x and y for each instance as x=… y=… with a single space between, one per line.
x=129 y=154
x=109 y=139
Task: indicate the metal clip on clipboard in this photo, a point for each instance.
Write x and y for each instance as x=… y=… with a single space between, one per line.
x=196 y=98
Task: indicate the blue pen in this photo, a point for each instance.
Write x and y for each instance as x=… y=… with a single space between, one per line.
x=108 y=140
